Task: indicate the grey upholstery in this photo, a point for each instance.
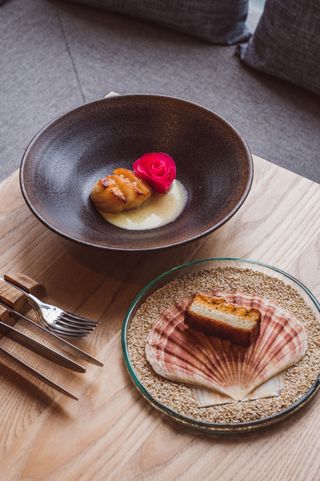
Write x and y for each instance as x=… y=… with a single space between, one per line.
x=54 y=56
x=222 y=22
x=286 y=42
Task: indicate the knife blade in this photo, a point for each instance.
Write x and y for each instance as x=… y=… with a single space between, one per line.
x=39 y=348
x=37 y=374
x=62 y=341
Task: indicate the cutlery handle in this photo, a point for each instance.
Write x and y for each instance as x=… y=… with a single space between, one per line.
x=4 y=314
x=20 y=288
x=40 y=348
x=12 y=296
x=16 y=297
x=52 y=335
x=26 y=283
x=37 y=374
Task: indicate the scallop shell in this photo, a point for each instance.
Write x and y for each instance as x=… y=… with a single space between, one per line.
x=210 y=397
x=180 y=353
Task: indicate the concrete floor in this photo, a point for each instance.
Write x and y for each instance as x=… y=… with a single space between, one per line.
x=55 y=56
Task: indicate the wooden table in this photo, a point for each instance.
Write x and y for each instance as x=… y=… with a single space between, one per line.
x=111 y=433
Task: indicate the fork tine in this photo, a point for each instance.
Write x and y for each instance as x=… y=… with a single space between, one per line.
x=64 y=333
x=74 y=322
x=75 y=332
x=72 y=314
x=55 y=319
x=63 y=330
x=73 y=325
x=66 y=345
x=73 y=328
x=84 y=320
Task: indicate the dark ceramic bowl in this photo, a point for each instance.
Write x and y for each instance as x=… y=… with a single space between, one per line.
x=68 y=156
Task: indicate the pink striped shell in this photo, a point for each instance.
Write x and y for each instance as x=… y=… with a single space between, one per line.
x=180 y=353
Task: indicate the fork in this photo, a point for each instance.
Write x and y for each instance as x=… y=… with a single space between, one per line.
x=55 y=319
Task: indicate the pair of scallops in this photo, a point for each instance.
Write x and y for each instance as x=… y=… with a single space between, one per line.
x=122 y=190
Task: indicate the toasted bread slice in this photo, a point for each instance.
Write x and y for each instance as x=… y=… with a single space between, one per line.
x=214 y=316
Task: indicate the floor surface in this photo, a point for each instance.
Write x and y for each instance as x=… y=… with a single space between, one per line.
x=54 y=56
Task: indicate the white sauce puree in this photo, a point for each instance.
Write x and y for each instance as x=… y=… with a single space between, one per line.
x=159 y=210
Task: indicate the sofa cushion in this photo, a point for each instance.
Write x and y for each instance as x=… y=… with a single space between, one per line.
x=286 y=43
x=221 y=22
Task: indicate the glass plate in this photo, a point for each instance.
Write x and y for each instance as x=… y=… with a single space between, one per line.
x=194 y=266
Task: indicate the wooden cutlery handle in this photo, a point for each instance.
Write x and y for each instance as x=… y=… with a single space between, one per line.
x=4 y=314
x=26 y=283
x=12 y=296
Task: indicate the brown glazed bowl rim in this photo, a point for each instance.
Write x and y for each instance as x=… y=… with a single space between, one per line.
x=211 y=229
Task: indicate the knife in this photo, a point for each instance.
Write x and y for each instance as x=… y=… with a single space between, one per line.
x=39 y=348
x=37 y=374
x=62 y=341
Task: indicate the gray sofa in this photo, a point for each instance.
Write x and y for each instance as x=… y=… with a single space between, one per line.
x=55 y=56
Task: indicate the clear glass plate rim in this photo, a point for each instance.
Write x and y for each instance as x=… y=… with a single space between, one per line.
x=185 y=419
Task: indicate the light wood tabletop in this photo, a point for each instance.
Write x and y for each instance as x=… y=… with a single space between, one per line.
x=112 y=433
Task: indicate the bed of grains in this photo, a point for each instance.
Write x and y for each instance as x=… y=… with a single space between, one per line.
x=180 y=397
